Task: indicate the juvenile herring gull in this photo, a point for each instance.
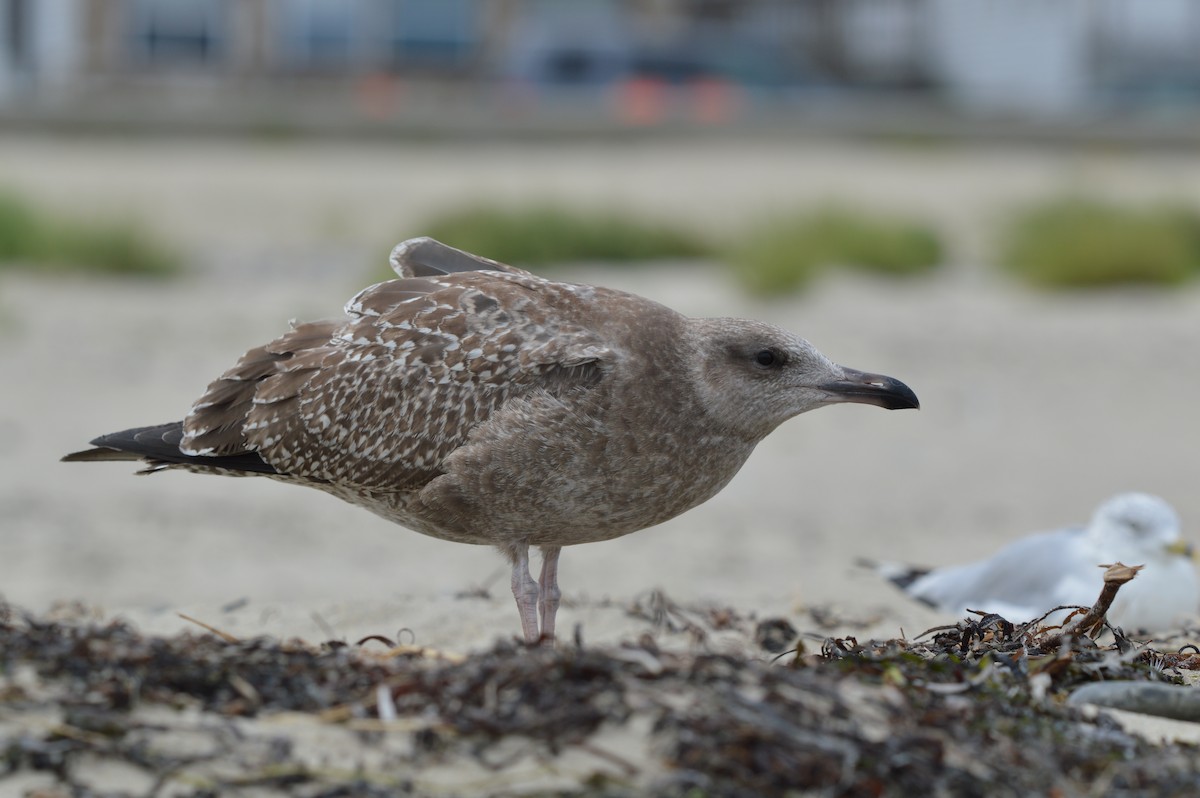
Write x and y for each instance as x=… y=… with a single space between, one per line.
x=1037 y=573
x=479 y=403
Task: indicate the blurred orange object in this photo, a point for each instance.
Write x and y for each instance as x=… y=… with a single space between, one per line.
x=378 y=94
x=642 y=101
x=714 y=101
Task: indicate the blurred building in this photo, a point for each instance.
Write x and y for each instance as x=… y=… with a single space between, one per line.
x=1032 y=57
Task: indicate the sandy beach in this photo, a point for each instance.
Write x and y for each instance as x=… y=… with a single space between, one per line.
x=1035 y=407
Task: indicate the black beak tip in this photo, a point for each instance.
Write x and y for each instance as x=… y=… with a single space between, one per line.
x=899 y=396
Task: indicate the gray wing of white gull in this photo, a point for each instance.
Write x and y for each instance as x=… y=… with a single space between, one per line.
x=1021 y=581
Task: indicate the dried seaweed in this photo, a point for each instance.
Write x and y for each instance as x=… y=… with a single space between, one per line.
x=114 y=666
x=970 y=709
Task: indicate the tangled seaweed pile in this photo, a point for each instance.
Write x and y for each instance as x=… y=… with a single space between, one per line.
x=976 y=709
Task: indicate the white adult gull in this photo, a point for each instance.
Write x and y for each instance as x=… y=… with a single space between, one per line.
x=479 y=403
x=1033 y=575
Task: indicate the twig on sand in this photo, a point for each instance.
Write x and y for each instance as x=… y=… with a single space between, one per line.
x=1116 y=575
x=228 y=638
x=425 y=652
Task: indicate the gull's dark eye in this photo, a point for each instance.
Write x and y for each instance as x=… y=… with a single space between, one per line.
x=767 y=358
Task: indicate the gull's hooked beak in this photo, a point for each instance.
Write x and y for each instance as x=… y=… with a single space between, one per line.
x=871 y=389
x=1182 y=548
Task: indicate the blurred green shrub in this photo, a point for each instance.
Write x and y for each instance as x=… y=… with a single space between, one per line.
x=115 y=248
x=1075 y=243
x=542 y=234
x=783 y=255
x=36 y=240
x=20 y=229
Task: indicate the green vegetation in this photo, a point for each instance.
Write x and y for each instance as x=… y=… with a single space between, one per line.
x=1059 y=243
x=1080 y=243
x=20 y=229
x=784 y=254
x=777 y=257
x=37 y=240
x=545 y=234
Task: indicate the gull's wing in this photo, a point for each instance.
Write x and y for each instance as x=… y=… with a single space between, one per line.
x=1027 y=577
x=428 y=257
x=380 y=399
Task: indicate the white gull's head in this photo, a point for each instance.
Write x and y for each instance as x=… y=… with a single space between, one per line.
x=1139 y=527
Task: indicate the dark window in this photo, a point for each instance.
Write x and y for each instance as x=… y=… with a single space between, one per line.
x=18 y=32
x=433 y=33
x=178 y=31
x=316 y=33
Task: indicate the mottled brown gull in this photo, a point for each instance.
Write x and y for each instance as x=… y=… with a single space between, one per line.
x=476 y=402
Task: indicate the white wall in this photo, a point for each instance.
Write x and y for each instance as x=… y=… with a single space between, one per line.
x=1026 y=56
x=51 y=34
x=56 y=36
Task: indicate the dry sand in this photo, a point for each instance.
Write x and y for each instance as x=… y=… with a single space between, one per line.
x=1035 y=408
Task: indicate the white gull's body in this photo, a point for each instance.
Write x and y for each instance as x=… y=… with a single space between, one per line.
x=1031 y=576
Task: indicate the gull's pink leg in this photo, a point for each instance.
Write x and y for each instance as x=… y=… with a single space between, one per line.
x=525 y=591
x=550 y=594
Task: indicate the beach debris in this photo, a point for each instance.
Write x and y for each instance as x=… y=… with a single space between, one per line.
x=954 y=711
x=774 y=634
x=1181 y=702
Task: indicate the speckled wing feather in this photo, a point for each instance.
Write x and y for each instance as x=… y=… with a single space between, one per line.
x=378 y=400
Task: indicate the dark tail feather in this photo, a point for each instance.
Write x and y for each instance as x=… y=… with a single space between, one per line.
x=903 y=579
x=159 y=447
x=899 y=575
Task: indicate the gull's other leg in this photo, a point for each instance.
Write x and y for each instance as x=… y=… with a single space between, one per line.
x=525 y=591
x=550 y=594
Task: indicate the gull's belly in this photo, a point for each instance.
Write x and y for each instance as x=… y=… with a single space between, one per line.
x=559 y=501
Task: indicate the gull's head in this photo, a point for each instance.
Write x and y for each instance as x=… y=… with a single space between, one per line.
x=754 y=376
x=1142 y=527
